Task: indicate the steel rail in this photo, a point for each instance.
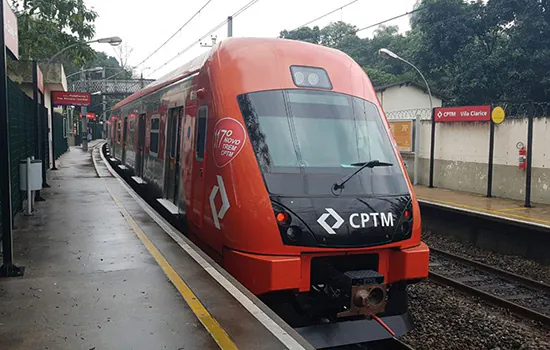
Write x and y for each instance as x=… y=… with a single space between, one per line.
x=492 y=299
x=507 y=275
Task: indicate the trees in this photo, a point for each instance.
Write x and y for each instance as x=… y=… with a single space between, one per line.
x=472 y=52
x=47 y=26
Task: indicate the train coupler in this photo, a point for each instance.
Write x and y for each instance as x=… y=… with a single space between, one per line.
x=366 y=292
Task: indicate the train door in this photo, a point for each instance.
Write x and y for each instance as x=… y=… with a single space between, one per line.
x=140 y=151
x=198 y=173
x=172 y=164
x=124 y=139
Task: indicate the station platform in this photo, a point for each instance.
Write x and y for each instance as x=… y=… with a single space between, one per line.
x=104 y=271
x=498 y=209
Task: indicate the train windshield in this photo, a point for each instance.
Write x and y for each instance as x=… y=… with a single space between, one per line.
x=306 y=140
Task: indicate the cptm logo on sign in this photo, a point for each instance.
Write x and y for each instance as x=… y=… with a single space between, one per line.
x=355 y=220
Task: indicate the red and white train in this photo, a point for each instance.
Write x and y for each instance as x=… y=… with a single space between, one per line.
x=277 y=156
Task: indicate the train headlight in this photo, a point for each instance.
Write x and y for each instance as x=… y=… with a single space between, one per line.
x=311 y=77
x=293 y=233
x=404 y=228
x=299 y=78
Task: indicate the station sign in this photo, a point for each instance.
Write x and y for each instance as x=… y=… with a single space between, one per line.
x=11 y=35
x=68 y=98
x=402 y=131
x=89 y=116
x=462 y=114
x=498 y=115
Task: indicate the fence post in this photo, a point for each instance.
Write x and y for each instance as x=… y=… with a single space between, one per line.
x=37 y=123
x=432 y=151
x=491 y=156
x=8 y=269
x=416 y=147
x=53 y=133
x=529 y=158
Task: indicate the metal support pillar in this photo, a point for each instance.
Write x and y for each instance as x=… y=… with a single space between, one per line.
x=45 y=150
x=529 y=159
x=53 y=133
x=416 y=147
x=103 y=98
x=8 y=269
x=84 y=111
x=432 y=151
x=38 y=123
x=229 y=26
x=491 y=156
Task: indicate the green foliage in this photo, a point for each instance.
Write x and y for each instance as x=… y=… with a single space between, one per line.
x=472 y=52
x=47 y=26
x=310 y=35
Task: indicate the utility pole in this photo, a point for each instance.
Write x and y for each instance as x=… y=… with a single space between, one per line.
x=84 y=111
x=142 y=80
x=229 y=26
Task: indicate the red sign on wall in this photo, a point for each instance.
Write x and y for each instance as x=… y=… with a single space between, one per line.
x=229 y=139
x=462 y=114
x=89 y=116
x=10 y=30
x=67 y=98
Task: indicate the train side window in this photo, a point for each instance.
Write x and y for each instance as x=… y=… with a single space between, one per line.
x=154 y=136
x=201 y=133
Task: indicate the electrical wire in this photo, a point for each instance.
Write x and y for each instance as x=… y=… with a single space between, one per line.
x=173 y=35
x=241 y=10
x=326 y=14
x=188 y=48
x=391 y=19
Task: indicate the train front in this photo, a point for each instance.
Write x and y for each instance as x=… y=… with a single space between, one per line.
x=329 y=227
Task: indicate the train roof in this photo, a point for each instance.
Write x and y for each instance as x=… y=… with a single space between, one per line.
x=194 y=66
x=172 y=77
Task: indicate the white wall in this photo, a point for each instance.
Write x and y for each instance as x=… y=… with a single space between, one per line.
x=402 y=97
x=469 y=141
x=462 y=152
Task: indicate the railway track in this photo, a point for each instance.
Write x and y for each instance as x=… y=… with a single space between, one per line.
x=388 y=344
x=523 y=296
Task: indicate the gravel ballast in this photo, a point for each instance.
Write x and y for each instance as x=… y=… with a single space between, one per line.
x=447 y=319
x=515 y=264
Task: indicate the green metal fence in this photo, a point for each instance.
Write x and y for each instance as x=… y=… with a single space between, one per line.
x=24 y=138
x=45 y=151
x=96 y=130
x=61 y=142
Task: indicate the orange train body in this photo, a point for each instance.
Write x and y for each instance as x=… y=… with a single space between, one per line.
x=253 y=146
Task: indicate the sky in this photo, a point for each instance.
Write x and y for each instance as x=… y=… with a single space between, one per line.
x=144 y=25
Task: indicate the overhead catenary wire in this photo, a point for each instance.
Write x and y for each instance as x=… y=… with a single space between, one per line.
x=188 y=48
x=391 y=19
x=238 y=12
x=325 y=15
x=173 y=35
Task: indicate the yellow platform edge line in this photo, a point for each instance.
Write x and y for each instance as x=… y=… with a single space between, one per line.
x=489 y=211
x=219 y=335
x=512 y=209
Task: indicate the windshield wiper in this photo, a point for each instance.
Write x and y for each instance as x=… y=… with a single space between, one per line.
x=371 y=164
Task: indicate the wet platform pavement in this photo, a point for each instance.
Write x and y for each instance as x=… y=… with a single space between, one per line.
x=101 y=273
x=505 y=209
